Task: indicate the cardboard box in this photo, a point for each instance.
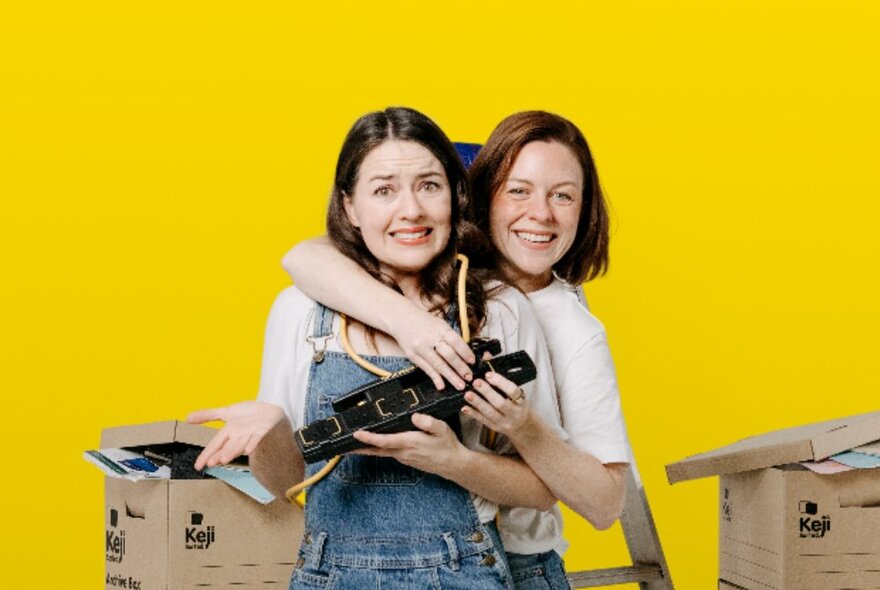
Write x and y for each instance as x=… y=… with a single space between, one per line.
x=783 y=527
x=186 y=533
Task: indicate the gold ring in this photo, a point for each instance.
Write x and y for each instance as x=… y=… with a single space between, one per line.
x=518 y=400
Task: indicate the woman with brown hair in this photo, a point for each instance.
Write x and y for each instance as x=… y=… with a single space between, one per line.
x=422 y=517
x=537 y=195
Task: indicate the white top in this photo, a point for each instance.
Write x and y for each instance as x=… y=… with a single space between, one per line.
x=589 y=404
x=287 y=357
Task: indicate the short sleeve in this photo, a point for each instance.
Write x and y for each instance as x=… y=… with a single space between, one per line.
x=278 y=374
x=591 y=412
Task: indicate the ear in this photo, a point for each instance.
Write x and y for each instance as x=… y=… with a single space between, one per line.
x=349 y=211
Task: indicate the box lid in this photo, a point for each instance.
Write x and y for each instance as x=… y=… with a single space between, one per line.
x=812 y=442
x=156 y=433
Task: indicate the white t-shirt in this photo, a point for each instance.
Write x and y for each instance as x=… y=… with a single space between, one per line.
x=287 y=357
x=589 y=404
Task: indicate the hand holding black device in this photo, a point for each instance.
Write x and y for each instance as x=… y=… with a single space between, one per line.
x=387 y=406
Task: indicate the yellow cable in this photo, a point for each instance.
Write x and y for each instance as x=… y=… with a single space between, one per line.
x=465 y=328
x=462 y=300
x=490 y=438
x=346 y=346
x=294 y=491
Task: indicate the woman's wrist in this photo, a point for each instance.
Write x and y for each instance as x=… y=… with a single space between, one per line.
x=406 y=314
x=527 y=432
x=458 y=465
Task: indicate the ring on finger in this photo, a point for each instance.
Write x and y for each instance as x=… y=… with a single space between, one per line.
x=520 y=398
x=442 y=338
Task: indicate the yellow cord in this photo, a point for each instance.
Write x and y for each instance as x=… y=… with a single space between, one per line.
x=294 y=491
x=362 y=362
x=465 y=328
x=462 y=300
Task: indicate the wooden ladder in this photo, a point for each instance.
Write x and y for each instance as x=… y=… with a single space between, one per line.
x=648 y=568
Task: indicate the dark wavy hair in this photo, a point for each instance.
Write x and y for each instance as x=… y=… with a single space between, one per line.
x=438 y=279
x=587 y=257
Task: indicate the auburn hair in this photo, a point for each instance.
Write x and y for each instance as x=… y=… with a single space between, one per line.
x=587 y=257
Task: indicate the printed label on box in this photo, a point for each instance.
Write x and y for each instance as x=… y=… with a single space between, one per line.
x=199 y=534
x=726 y=509
x=810 y=524
x=115 y=539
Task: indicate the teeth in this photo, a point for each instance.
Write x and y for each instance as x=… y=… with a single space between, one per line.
x=410 y=235
x=540 y=238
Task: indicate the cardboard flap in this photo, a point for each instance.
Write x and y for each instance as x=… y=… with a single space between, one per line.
x=812 y=442
x=156 y=433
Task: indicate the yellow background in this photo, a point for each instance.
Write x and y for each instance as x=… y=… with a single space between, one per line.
x=157 y=159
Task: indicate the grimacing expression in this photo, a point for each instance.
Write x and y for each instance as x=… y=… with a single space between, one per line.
x=533 y=217
x=402 y=204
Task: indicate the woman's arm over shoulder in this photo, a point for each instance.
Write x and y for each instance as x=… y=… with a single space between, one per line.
x=327 y=275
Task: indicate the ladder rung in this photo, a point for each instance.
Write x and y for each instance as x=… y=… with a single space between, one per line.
x=615 y=575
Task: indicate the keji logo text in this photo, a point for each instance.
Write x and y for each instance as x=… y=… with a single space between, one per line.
x=198 y=535
x=115 y=539
x=811 y=525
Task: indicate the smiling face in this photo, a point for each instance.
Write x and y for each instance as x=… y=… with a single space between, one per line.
x=402 y=204
x=534 y=215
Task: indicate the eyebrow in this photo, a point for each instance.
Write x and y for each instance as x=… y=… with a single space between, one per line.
x=393 y=176
x=558 y=184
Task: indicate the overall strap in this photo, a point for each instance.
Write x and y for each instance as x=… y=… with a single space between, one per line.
x=323 y=326
x=322 y=330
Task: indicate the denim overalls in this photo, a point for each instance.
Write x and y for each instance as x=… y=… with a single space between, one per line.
x=538 y=571
x=375 y=523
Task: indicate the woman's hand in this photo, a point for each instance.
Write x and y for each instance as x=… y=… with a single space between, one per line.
x=432 y=448
x=246 y=425
x=507 y=415
x=434 y=347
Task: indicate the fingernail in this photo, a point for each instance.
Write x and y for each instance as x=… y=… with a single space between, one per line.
x=468 y=377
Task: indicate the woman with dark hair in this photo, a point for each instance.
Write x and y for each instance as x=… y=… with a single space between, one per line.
x=537 y=195
x=399 y=210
